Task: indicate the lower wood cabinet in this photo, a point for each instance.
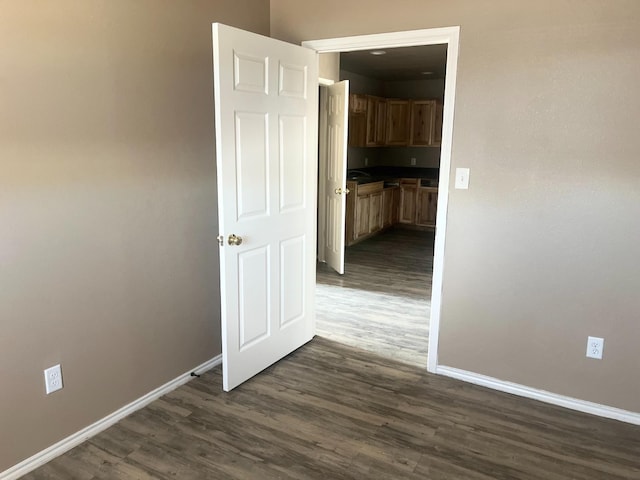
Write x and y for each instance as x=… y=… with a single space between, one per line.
x=369 y=209
x=372 y=208
x=362 y=216
x=418 y=204
x=375 y=212
x=408 y=198
x=390 y=206
x=426 y=206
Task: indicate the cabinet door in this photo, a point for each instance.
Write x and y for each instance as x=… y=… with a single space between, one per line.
x=422 y=121
x=408 y=195
x=362 y=215
x=427 y=205
x=398 y=116
x=350 y=226
x=375 y=212
x=376 y=121
x=437 y=125
x=357 y=130
x=387 y=207
x=395 y=205
x=370 y=139
x=381 y=121
x=357 y=103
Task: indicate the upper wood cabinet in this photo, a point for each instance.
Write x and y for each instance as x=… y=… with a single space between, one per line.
x=357 y=133
x=376 y=121
x=357 y=103
x=422 y=120
x=426 y=123
x=437 y=126
x=398 y=116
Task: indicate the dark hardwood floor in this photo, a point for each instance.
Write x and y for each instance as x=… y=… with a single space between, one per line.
x=382 y=302
x=331 y=411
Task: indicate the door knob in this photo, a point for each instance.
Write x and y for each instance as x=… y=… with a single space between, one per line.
x=340 y=191
x=234 y=240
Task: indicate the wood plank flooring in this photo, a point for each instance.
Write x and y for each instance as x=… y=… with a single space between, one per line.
x=331 y=411
x=382 y=302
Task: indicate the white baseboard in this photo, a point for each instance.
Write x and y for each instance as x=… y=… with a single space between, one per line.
x=542 y=395
x=77 y=438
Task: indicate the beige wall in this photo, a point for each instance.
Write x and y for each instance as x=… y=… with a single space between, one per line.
x=108 y=254
x=543 y=249
x=329 y=66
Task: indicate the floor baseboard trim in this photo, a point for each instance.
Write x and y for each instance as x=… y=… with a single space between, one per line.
x=542 y=395
x=77 y=438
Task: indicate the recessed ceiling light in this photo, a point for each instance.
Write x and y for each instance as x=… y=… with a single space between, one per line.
x=427 y=73
x=377 y=52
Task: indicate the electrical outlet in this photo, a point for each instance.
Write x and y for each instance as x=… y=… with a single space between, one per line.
x=595 y=345
x=53 y=379
x=413 y=161
x=366 y=161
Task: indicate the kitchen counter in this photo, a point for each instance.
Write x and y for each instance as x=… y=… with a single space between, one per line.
x=428 y=176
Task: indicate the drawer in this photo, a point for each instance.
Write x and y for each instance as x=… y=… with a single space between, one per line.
x=409 y=181
x=368 y=188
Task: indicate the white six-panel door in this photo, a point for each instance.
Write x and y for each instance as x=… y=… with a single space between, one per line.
x=334 y=104
x=266 y=112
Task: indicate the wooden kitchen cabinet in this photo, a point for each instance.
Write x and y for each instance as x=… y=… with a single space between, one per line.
x=398 y=117
x=362 y=216
x=376 y=121
x=437 y=126
x=357 y=103
x=357 y=129
x=408 y=198
x=426 y=206
x=422 y=122
x=350 y=227
x=375 y=212
x=390 y=206
x=369 y=209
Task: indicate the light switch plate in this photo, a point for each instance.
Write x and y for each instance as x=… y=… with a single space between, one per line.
x=462 y=178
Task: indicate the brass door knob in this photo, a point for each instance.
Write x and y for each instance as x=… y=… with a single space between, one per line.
x=340 y=191
x=234 y=240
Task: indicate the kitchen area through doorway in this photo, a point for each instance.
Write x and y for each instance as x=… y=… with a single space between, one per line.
x=382 y=302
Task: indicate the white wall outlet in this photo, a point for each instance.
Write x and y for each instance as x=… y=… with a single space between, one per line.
x=413 y=161
x=53 y=379
x=366 y=161
x=462 y=178
x=595 y=345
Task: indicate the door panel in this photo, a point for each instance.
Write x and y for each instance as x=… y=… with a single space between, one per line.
x=251 y=163
x=292 y=145
x=333 y=174
x=266 y=109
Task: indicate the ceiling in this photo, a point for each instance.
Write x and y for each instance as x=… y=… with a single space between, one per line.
x=404 y=63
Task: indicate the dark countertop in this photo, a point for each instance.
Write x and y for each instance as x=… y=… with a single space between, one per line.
x=378 y=174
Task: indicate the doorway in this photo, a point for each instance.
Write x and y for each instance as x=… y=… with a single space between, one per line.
x=448 y=36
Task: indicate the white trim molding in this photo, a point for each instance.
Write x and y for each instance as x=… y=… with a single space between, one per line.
x=77 y=438
x=430 y=36
x=542 y=395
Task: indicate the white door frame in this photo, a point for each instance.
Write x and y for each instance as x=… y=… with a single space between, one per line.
x=431 y=36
